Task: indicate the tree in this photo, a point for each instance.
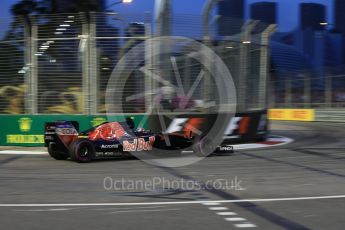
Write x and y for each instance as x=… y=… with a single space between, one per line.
x=72 y=6
x=24 y=8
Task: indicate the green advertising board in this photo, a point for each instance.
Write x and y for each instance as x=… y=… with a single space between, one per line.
x=28 y=130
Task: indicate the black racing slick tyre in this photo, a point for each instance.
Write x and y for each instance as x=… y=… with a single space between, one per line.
x=55 y=153
x=82 y=151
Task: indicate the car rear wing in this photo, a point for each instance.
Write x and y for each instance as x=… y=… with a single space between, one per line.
x=59 y=131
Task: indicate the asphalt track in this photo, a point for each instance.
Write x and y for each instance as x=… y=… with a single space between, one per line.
x=295 y=186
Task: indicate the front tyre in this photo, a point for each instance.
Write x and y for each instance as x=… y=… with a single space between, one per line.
x=82 y=151
x=55 y=153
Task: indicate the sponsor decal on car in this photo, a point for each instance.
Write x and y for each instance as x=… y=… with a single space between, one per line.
x=66 y=134
x=109 y=146
x=138 y=144
x=109 y=154
x=226 y=148
x=109 y=131
x=66 y=131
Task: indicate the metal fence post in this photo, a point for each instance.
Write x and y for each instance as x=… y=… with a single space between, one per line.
x=85 y=41
x=209 y=5
x=207 y=41
x=265 y=64
x=33 y=81
x=149 y=84
x=27 y=62
x=307 y=91
x=328 y=91
x=93 y=66
x=288 y=92
x=247 y=28
x=271 y=101
x=163 y=28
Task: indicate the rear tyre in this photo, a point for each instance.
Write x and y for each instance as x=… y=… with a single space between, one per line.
x=82 y=151
x=55 y=153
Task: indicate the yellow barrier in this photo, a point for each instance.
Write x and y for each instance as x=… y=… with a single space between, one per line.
x=291 y=114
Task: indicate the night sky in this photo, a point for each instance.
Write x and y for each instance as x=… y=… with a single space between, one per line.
x=180 y=6
x=287 y=20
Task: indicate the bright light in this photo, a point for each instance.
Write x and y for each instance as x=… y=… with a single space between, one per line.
x=127 y=1
x=65 y=25
x=69 y=21
x=49 y=42
x=44 y=46
x=71 y=16
x=58 y=32
x=323 y=23
x=229 y=47
x=61 y=29
x=246 y=42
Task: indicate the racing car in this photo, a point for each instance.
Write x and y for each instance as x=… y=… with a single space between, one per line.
x=110 y=139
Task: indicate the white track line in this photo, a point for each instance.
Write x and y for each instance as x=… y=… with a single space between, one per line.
x=210 y=203
x=13 y=152
x=247 y=225
x=46 y=210
x=285 y=141
x=234 y=219
x=226 y=213
x=218 y=208
x=175 y=202
x=119 y=209
x=145 y=210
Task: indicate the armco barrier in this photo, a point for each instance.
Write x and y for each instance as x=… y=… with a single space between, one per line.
x=291 y=114
x=28 y=130
x=330 y=115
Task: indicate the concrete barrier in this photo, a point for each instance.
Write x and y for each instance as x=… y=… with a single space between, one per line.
x=291 y=114
x=322 y=115
x=28 y=130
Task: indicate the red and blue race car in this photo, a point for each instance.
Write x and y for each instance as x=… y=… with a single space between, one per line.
x=110 y=139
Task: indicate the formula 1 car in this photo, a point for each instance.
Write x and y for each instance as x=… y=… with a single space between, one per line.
x=109 y=139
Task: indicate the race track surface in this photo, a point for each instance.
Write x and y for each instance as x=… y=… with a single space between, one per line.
x=295 y=186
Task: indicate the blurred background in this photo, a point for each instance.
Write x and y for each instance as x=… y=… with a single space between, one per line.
x=57 y=56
